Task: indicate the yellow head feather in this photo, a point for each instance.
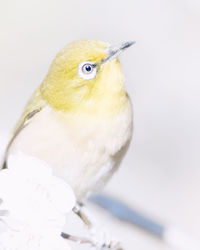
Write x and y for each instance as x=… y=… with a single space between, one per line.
x=65 y=90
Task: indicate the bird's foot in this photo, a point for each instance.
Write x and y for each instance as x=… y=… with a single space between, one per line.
x=106 y=245
x=98 y=238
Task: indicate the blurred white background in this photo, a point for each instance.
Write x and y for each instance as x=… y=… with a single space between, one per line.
x=161 y=173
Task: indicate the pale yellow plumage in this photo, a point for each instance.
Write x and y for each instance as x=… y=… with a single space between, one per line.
x=82 y=127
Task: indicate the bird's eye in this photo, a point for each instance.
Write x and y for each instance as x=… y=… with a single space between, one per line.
x=87 y=70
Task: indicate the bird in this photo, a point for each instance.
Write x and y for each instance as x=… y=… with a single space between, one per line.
x=80 y=119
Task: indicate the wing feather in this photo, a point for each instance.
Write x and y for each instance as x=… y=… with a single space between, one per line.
x=34 y=106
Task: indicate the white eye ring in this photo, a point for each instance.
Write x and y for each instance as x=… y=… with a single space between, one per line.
x=87 y=70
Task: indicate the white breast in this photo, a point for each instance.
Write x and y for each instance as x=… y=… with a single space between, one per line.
x=80 y=148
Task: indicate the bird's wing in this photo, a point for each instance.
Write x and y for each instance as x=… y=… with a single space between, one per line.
x=34 y=106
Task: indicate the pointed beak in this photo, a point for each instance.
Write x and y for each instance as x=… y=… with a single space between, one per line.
x=114 y=51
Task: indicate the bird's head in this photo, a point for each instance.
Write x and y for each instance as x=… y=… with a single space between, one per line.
x=85 y=76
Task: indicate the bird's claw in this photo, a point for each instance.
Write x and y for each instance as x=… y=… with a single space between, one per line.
x=113 y=245
x=103 y=241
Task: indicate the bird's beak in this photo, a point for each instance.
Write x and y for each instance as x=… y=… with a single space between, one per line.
x=114 y=51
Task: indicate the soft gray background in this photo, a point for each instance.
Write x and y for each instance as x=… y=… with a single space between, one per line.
x=160 y=175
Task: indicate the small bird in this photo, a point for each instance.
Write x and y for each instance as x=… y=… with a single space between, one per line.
x=79 y=120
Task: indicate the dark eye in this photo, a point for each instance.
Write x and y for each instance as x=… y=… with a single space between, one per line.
x=87 y=68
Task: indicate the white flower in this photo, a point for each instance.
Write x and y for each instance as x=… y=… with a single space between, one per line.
x=37 y=203
x=26 y=240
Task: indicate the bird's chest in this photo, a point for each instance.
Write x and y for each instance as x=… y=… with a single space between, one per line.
x=75 y=145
